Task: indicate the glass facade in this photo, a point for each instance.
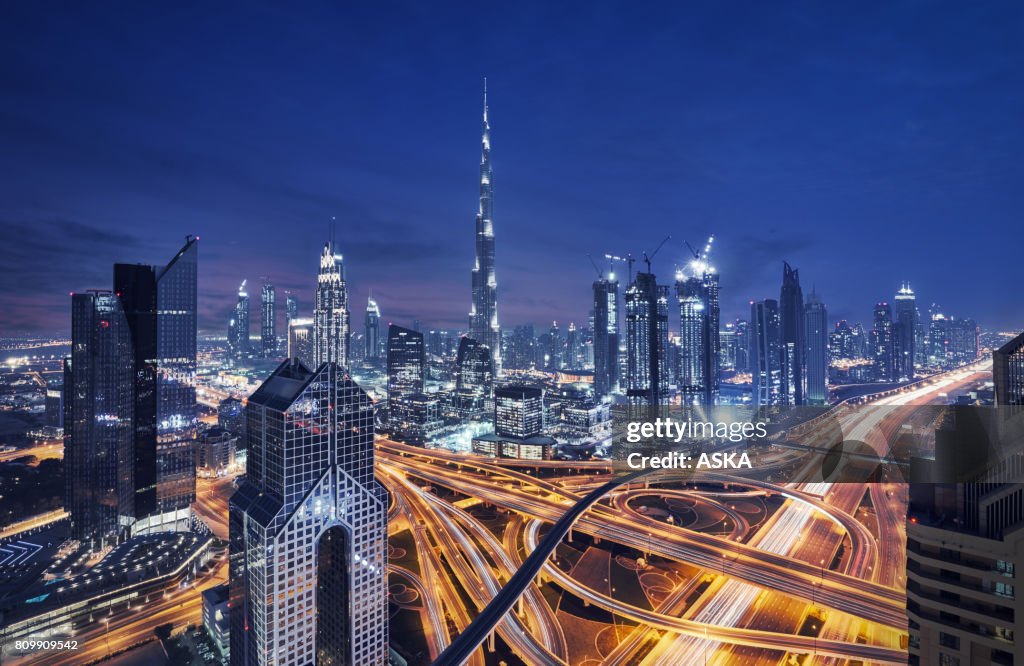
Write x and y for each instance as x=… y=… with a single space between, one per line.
x=160 y=306
x=98 y=432
x=308 y=526
x=406 y=358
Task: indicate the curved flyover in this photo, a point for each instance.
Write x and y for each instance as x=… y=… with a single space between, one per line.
x=483 y=624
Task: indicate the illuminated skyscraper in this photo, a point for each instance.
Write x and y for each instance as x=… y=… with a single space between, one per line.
x=692 y=344
x=518 y=411
x=268 y=321
x=406 y=361
x=372 y=326
x=882 y=342
x=242 y=321
x=646 y=341
x=881 y=336
x=300 y=340
x=905 y=332
x=606 y=335
x=483 y=317
x=474 y=378
x=99 y=429
x=816 y=331
x=791 y=313
x=331 y=314
x=159 y=303
x=766 y=353
x=308 y=527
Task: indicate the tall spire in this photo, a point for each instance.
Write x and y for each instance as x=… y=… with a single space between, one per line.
x=483 y=317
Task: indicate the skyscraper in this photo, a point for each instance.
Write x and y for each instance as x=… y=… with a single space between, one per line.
x=474 y=378
x=905 y=326
x=308 y=526
x=331 y=314
x=606 y=335
x=692 y=348
x=518 y=411
x=291 y=308
x=881 y=335
x=160 y=303
x=268 y=321
x=372 y=325
x=300 y=340
x=816 y=331
x=406 y=360
x=791 y=313
x=766 y=353
x=242 y=321
x=1008 y=372
x=99 y=430
x=646 y=341
x=483 y=317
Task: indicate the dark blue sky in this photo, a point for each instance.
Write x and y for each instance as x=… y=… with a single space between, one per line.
x=866 y=145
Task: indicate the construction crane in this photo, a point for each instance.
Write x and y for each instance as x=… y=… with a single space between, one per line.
x=649 y=258
x=611 y=265
x=700 y=259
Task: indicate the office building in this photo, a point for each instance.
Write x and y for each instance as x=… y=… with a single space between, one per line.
x=159 y=303
x=906 y=327
x=100 y=426
x=54 y=405
x=483 y=315
x=816 y=352
x=372 y=341
x=1008 y=372
x=518 y=426
x=965 y=545
x=474 y=379
x=308 y=527
x=231 y=417
x=268 y=321
x=215 y=452
x=882 y=345
x=606 y=335
x=300 y=340
x=291 y=308
x=518 y=411
x=216 y=611
x=692 y=343
x=791 y=317
x=406 y=365
x=331 y=312
x=766 y=353
x=646 y=341
x=238 y=327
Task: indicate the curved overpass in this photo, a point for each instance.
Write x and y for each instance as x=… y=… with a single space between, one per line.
x=470 y=639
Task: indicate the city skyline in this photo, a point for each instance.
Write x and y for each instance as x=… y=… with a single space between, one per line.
x=924 y=181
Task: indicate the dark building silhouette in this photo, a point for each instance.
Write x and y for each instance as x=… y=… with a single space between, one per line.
x=159 y=304
x=766 y=353
x=99 y=425
x=1008 y=372
x=791 y=316
x=816 y=356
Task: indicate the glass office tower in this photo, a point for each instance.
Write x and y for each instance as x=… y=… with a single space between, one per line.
x=309 y=527
x=99 y=424
x=160 y=306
